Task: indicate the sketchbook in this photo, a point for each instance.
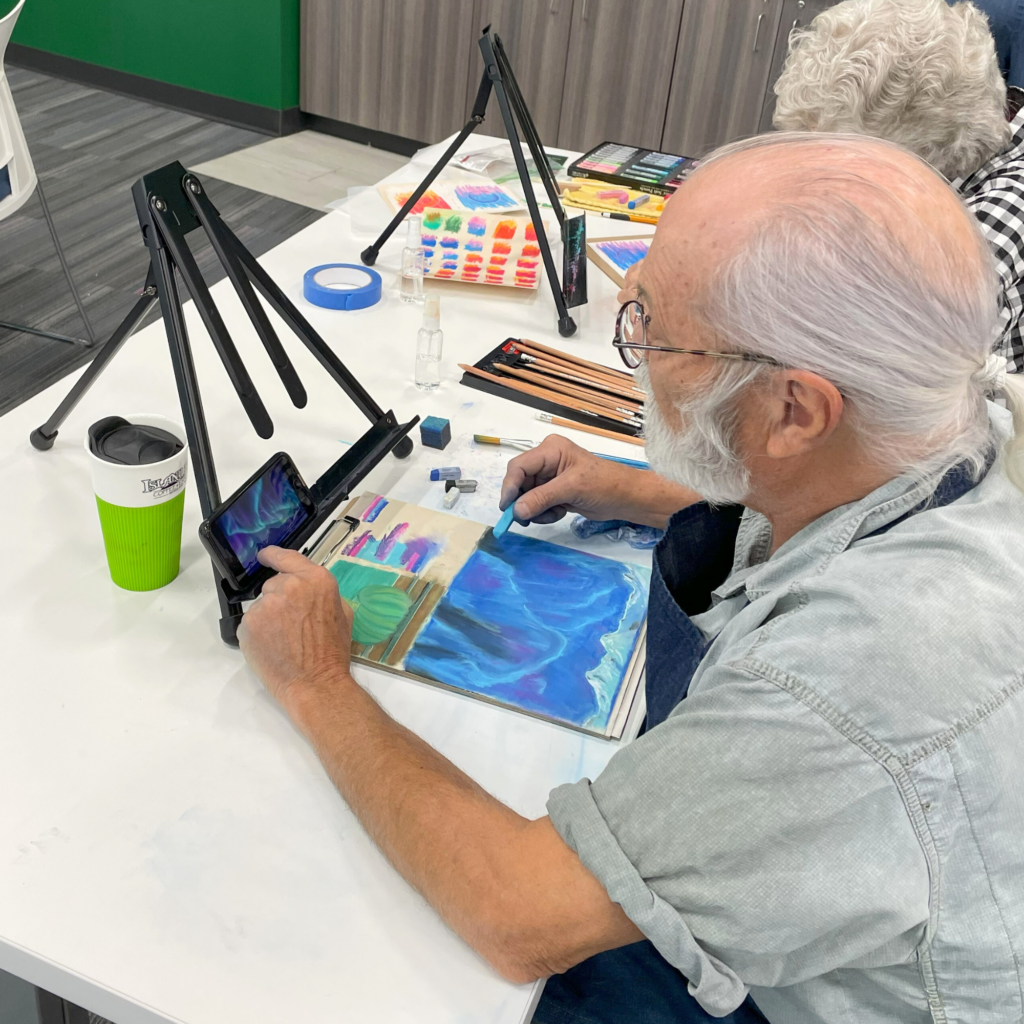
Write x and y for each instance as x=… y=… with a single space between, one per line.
x=534 y=626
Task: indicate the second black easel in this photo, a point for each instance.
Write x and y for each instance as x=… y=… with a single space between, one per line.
x=499 y=78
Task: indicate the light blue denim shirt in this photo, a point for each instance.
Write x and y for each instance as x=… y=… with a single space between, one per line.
x=833 y=819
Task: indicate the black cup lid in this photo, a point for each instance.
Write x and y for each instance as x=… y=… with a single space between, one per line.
x=114 y=439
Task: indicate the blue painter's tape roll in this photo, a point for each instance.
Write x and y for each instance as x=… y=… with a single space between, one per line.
x=341 y=286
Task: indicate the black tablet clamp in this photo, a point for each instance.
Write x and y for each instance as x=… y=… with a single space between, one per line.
x=171 y=202
x=498 y=75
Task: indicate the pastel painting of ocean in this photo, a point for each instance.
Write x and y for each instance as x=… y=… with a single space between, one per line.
x=538 y=626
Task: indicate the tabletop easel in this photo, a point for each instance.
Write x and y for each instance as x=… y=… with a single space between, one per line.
x=172 y=202
x=499 y=77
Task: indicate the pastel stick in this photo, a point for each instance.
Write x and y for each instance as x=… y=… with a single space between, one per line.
x=505 y=521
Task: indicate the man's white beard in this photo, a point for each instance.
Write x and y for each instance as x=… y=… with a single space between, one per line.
x=701 y=455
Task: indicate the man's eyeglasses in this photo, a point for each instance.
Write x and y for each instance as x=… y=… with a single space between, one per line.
x=631 y=340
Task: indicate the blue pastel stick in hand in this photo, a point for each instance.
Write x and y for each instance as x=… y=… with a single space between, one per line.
x=505 y=521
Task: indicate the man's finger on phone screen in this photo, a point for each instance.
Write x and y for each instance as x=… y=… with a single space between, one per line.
x=283 y=559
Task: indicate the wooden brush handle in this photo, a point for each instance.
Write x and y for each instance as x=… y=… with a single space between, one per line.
x=573 y=390
x=557 y=421
x=550 y=396
x=574 y=374
x=559 y=354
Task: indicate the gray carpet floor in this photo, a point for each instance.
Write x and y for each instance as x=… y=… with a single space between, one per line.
x=88 y=147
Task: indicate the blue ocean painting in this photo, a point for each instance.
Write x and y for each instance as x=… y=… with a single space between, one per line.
x=538 y=626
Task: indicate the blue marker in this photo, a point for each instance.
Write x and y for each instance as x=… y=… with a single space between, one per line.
x=505 y=521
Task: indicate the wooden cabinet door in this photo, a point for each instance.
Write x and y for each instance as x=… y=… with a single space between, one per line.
x=340 y=53
x=795 y=14
x=619 y=71
x=721 y=73
x=424 y=67
x=535 y=34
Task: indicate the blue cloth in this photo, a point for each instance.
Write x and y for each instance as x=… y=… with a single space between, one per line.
x=1006 y=19
x=634 y=534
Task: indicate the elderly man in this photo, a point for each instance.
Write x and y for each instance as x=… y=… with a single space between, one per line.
x=923 y=74
x=823 y=821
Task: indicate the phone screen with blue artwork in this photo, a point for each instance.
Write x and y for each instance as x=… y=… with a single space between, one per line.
x=269 y=509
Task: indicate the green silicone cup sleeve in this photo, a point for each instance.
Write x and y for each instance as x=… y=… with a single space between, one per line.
x=143 y=544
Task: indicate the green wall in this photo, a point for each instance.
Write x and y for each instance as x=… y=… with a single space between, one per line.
x=244 y=49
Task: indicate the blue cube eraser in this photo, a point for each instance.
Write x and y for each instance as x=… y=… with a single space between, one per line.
x=435 y=432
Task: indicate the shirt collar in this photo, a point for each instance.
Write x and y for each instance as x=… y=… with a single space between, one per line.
x=968 y=184
x=812 y=549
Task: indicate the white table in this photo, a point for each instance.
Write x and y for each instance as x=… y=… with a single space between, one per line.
x=171 y=848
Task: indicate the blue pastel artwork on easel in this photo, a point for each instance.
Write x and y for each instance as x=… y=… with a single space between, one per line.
x=539 y=627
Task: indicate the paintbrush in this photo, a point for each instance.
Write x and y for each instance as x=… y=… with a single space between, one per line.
x=509 y=442
x=584 y=394
x=593 y=377
x=558 y=421
x=573 y=373
x=544 y=378
x=552 y=396
x=565 y=357
x=591 y=387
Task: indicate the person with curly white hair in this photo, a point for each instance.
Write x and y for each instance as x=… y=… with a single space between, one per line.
x=923 y=74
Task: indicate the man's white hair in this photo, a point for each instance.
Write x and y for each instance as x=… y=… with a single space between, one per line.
x=822 y=284
x=919 y=73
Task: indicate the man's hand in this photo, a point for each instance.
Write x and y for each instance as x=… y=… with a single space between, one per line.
x=511 y=888
x=558 y=477
x=298 y=634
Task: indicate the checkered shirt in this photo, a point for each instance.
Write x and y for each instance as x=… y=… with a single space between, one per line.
x=995 y=195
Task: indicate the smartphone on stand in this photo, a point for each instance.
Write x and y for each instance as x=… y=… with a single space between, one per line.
x=274 y=506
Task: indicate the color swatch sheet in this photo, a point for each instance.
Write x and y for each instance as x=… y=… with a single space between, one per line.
x=538 y=627
x=482 y=248
x=470 y=196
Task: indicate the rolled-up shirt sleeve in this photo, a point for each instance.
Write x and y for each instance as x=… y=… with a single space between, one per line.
x=754 y=840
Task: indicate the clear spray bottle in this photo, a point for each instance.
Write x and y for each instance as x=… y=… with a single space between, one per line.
x=412 y=264
x=429 y=341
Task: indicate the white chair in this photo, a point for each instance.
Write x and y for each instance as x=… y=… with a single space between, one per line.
x=18 y=181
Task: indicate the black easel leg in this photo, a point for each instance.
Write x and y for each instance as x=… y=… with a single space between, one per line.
x=566 y=324
x=188 y=386
x=192 y=412
x=495 y=69
x=42 y=438
x=369 y=254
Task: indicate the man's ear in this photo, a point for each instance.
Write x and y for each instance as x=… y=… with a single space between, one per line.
x=806 y=409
